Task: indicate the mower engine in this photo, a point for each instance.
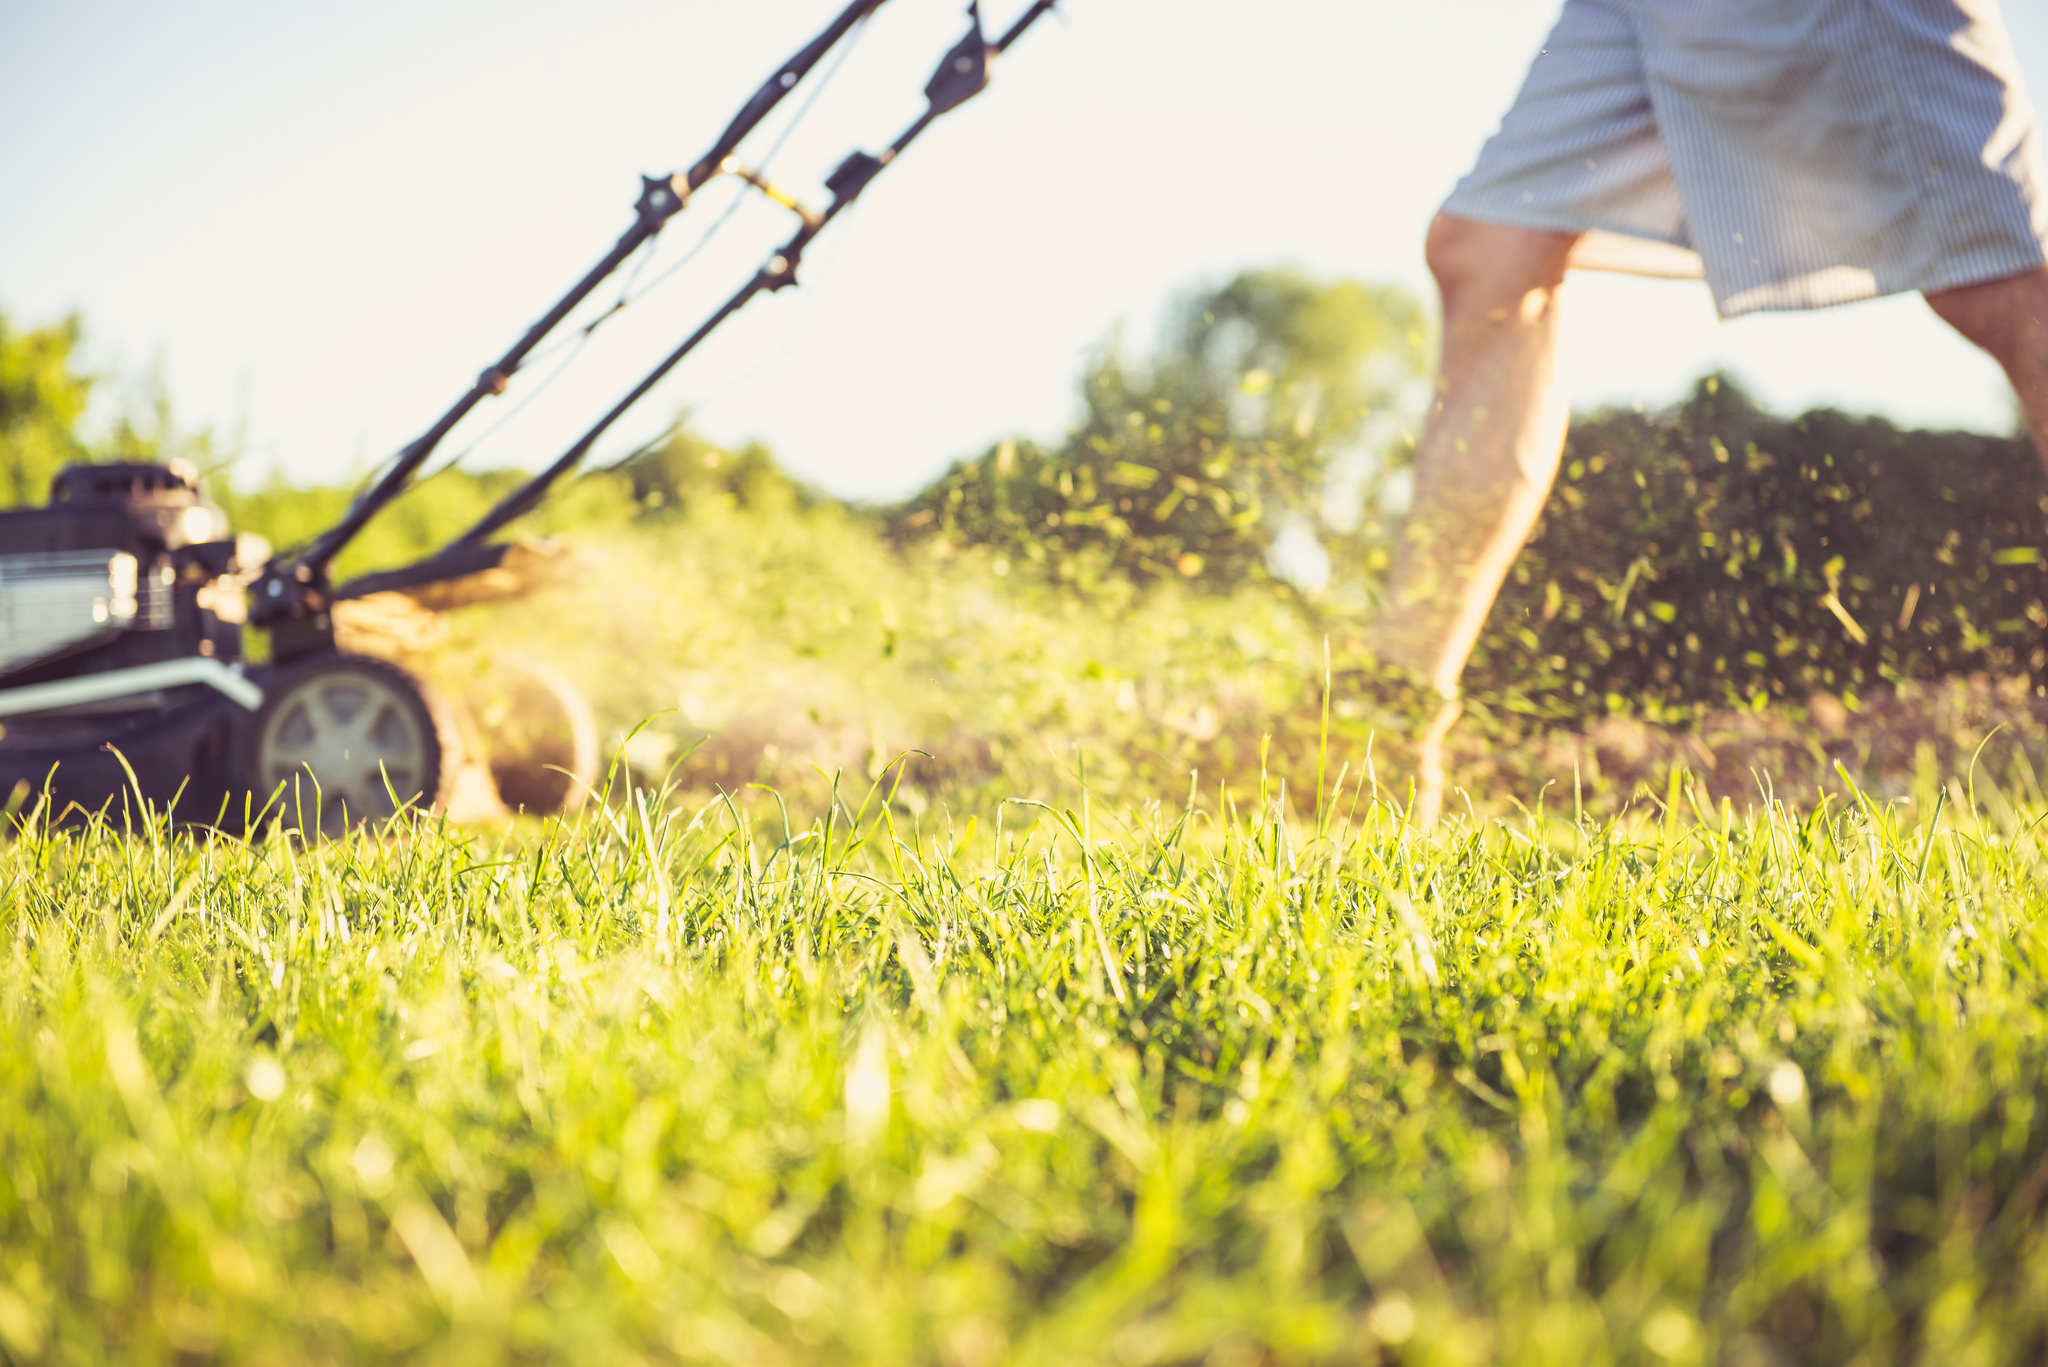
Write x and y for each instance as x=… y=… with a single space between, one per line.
x=129 y=564
x=123 y=688
x=120 y=639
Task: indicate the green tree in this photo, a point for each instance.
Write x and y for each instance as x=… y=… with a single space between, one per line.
x=42 y=398
x=688 y=469
x=1264 y=416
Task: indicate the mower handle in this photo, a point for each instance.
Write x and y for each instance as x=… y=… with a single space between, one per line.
x=962 y=74
x=280 y=593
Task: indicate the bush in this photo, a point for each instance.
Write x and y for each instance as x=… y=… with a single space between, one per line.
x=1263 y=412
x=686 y=471
x=41 y=399
x=1715 y=555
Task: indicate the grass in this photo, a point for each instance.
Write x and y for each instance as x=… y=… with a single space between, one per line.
x=772 y=1074
x=676 y=1085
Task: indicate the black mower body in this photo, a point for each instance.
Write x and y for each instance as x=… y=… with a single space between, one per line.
x=121 y=646
x=122 y=601
x=177 y=757
x=180 y=545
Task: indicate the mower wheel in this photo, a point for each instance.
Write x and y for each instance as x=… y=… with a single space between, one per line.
x=349 y=740
x=539 y=736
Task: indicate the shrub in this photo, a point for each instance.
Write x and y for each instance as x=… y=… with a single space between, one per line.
x=42 y=396
x=1715 y=554
x=1263 y=411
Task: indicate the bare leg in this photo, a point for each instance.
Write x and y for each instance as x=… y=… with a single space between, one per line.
x=1490 y=449
x=1485 y=463
x=2009 y=319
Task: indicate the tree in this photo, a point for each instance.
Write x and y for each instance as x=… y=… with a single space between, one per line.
x=1263 y=418
x=41 y=401
x=687 y=470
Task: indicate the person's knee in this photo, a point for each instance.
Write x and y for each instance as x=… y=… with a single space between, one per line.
x=1490 y=263
x=1459 y=252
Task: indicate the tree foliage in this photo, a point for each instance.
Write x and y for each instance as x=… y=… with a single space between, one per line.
x=43 y=401
x=1259 y=414
x=42 y=397
x=687 y=469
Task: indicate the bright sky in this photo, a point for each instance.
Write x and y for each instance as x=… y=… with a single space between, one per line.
x=322 y=220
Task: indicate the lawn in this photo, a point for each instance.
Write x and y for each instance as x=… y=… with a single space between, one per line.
x=1063 y=1084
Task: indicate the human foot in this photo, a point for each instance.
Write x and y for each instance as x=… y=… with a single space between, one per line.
x=1399 y=703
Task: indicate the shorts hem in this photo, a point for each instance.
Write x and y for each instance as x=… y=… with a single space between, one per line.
x=1802 y=296
x=1540 y=220
x=1981 y=272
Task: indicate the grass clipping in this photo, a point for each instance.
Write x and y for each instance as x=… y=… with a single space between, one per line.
x=745 y=647
x=663 y=1086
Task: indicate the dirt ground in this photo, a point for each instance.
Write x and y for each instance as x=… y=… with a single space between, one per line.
x=1898 y=743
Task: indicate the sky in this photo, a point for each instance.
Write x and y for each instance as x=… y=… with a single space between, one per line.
x=318 y=223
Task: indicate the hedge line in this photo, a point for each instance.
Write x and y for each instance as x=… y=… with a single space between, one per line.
x=1715 y=554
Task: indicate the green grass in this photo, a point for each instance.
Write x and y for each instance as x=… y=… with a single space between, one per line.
x=659 y=1087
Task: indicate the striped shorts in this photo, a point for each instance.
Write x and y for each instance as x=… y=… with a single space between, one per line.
x=1798 y=154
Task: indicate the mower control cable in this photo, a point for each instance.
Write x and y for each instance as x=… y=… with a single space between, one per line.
x=281 y=593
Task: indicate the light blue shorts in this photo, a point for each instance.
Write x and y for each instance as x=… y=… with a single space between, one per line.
x=1796 y=153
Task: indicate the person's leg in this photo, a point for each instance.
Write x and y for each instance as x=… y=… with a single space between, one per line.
x=1490 y=448
x=2009 y=319
x=1484 y=466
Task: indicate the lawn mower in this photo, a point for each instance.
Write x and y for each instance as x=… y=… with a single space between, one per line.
x=124 y=686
